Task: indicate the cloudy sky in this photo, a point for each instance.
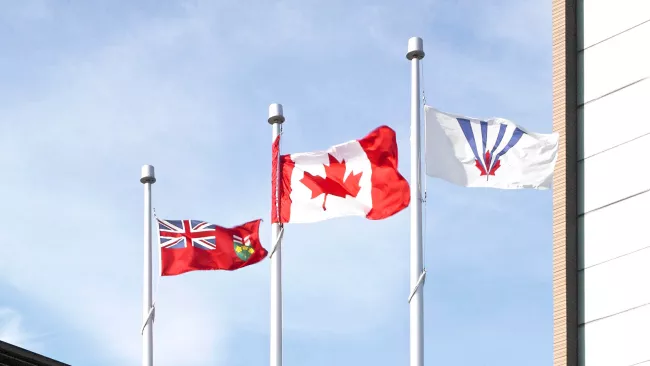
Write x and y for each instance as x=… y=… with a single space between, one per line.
x=92 y=90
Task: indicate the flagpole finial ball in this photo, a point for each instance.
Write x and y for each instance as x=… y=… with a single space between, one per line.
x=415 y=48
x=275 y=113
x=148 y=174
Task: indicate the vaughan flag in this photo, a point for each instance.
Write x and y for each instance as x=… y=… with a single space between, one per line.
x=495 y=152
x=356 y=178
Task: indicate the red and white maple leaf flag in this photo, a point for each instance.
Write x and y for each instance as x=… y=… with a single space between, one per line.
x=356 y=178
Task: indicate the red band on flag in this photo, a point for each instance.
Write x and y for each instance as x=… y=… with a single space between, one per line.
x=390 y=190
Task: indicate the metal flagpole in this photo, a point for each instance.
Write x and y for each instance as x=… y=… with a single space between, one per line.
x=148 y=178
x=417 y=274
x=276 y=118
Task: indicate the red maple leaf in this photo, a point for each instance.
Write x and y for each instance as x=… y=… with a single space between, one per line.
x=488 y=161
x=496 y=166
x=479 y=165
x=333 y=183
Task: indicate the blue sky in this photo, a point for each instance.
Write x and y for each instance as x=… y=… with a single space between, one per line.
x=92 y=90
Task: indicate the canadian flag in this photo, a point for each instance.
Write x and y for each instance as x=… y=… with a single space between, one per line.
x=356 y=178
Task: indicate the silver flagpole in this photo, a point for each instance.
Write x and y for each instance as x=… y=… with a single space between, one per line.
x=148 y=178
x=417 y=274
x=276 y=118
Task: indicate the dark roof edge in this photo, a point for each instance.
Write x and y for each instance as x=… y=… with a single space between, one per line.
x=29 y=356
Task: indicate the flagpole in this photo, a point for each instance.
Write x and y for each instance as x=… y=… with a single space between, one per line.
x=148 y=178
x=416 y=301
x=276 y=118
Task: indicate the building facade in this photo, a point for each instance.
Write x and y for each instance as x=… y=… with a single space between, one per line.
x=601 y=198
x=11 y=355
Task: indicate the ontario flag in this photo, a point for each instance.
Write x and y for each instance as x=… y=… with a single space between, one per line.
x=494 y=153
x=192 y=245
x=356 y=178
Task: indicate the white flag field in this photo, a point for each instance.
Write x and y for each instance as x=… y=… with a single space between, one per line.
x=493 y=153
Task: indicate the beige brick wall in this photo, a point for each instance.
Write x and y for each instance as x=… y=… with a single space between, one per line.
x=565 y=325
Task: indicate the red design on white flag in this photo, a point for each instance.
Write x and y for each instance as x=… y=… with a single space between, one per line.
x=356 y=178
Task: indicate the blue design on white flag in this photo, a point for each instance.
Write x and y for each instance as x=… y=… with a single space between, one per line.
x=488 y=162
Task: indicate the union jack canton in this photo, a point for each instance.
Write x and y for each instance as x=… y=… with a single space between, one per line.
x=178 y=234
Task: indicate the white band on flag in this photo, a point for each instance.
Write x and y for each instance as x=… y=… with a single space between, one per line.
x=277 y=241
x=417 y=285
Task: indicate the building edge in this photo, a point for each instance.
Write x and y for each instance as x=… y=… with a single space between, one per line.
x=565 y=184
